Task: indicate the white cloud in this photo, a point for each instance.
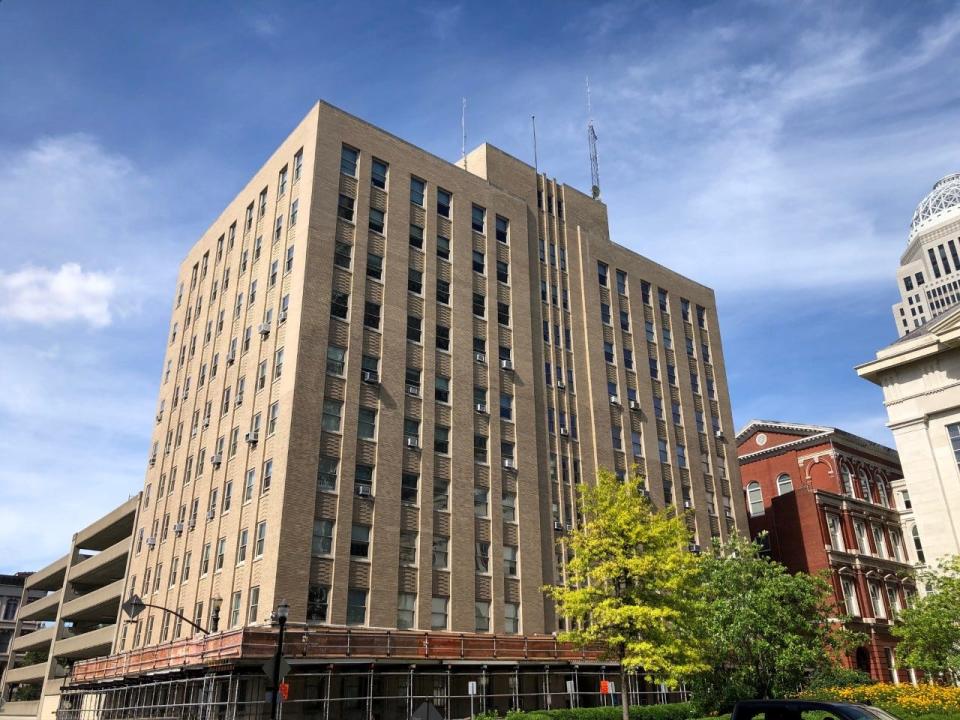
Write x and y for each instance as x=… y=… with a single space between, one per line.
x=45 y=297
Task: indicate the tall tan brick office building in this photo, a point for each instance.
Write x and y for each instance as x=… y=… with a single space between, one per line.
x=387 y=375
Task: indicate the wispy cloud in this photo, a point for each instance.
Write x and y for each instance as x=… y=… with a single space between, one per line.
x=46 y=297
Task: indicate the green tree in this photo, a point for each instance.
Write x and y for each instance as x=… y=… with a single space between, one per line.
x=929 y=632
x=766 y=629
x=632 y=586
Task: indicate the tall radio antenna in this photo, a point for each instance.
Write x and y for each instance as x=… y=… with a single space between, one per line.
x=536 y=164
x=592 y=141
x=463 y=133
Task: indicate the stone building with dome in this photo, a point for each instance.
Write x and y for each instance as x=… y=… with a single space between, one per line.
x=920 y=372
x=929 y=274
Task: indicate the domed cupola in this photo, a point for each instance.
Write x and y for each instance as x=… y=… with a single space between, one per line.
x=940 y=205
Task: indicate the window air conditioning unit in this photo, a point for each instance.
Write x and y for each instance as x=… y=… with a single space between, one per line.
x=193 y=432
x=569 y=527
x=216 y=459
x=159 y=417
x=193 y=523
x=186 y=393
x=371 y=376
x=282 y=316
x=687 y=505
x=413 y=443
x=362 y=490
x=557 y=525
x=206 y=423
x=252 y=437
x=480 y=357
x=482 y=408
x=506 y=364
x=231 y=358
x=645 y=493
x=728 y=515
x=509 y=464
x=264 y=329
x=693 y=547
x=560 y=385
x=614 y=400
x=719 y=435
x=211 y=514
x=178 y=529
x=239 y=400
x=634 y=404
x=564 y=432
x=151 y=541
x=153 y=460
x=413 y=390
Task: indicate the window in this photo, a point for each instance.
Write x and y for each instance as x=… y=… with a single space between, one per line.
x=441 y=439
x=340 y=305
x=444 y=198
x=621 y=282
x=443 y=247
x=608 y=351
x=480 y=449
x=438 y=613
x=876 y=599
x=441 y=494
x=359 y=541
x=478 y=219
x=918 y=546
x=662 y=299
x=784 y=485
x=836 y=532
x=221 y=551
x=503 y=313
x=335 y=360
x=860 y=530
x=376 y=220
x=417 y=190
x=654 y=369
x=503 y=229
x=846 y=480
x=879 y=544
x=371 y=315
x=482 y=557
x=605 y=313
x=503 y=272
x=322 y=537
x=510 y=560
x=482 y=615
x=509 y=506
x=443 y=291
x=374 y=266
x=331 y=420
x=318 y=600
x=850 y=596
x=865 y=493
x=442 y=389
x=363 y=478
x=681 y=455
x=416 y=236
x=356 y=606
x=408 y=547
x=414 y=328
x=242 y=546
x=479 y=262
x=406 y=610
x=408 y=488
x=603 y=272
x=481 y=507
x=327 y=472
x=348 y=161
x=443 y=337
x=755 y=498
x=345 y=208
x=479 y=305
x=511 y=618
x=261 y=539
x=415 y=281
x=378 y=173
x=440 y=545
x=367 y=424
x=506 y=406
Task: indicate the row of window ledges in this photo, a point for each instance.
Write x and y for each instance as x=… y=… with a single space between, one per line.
x=380 y=178
x=885 y=605
x=318 y=609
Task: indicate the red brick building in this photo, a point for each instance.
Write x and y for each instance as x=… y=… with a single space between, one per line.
x=823 y=496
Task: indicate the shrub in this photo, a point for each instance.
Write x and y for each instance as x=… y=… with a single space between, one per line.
x=899 y=699
x=670 y=711
x=837 y=677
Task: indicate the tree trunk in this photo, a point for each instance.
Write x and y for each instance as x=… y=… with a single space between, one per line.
x=624 y=695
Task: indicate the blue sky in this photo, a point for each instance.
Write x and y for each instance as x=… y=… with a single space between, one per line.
x=774 y=151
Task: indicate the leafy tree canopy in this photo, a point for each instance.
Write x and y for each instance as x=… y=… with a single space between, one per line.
x=929 y=631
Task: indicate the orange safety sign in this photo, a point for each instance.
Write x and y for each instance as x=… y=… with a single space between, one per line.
x=604 y=687
x=284 y=690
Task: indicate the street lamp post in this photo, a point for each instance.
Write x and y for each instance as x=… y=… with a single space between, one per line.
x=283 y=611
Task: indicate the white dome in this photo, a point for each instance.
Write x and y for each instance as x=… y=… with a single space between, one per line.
x=942 y=203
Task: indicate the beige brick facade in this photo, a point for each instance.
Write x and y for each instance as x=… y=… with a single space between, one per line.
x=319 y=264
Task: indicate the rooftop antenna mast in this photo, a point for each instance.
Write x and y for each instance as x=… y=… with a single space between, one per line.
x=592 y=140
x=536 y=164
x=463 y=133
